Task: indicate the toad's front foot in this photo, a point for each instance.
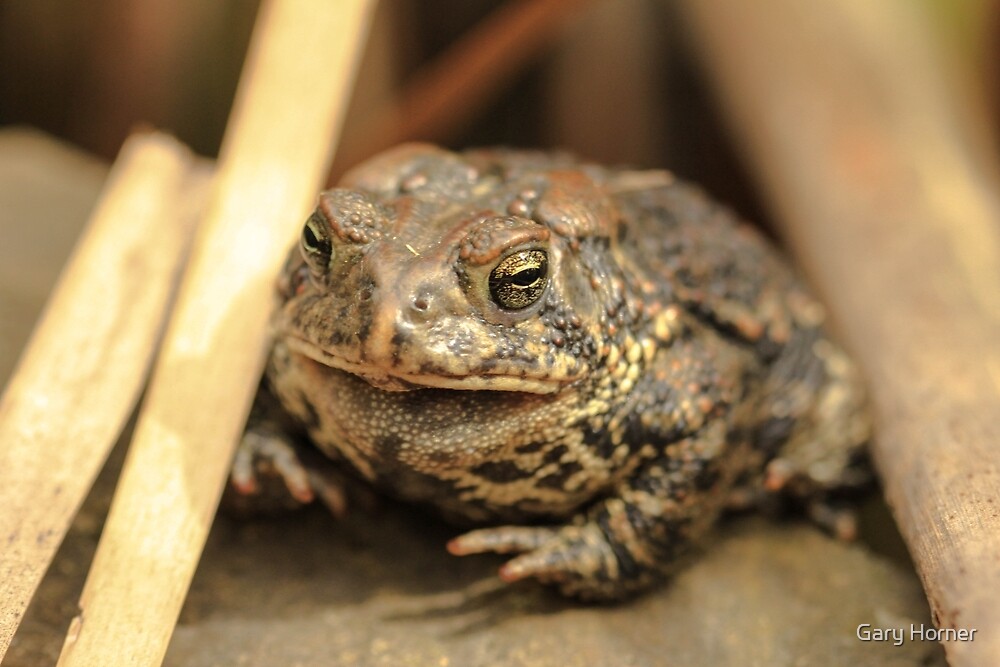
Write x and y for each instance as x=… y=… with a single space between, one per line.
x=578 y=558
x=270 y=471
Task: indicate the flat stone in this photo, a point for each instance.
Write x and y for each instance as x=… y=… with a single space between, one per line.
x=379 y=589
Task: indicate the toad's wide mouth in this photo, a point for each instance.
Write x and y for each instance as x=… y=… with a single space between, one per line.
x=399 y=380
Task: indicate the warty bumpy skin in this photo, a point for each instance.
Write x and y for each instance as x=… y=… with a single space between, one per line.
x=592 y=362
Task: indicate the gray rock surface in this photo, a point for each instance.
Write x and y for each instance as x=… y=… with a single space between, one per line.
x=379 y=589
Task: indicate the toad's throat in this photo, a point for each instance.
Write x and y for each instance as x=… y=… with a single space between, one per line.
x=398 y=380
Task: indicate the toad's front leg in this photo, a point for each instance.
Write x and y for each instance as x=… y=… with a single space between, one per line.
x=626 y=542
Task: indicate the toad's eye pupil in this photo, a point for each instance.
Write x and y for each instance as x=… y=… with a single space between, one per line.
x=309 y=238
x=526 y=277
x=316 y=247
x=519 y=279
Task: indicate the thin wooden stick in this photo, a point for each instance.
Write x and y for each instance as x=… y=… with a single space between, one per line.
x=888 y=192
x=275 y=155
x=447 y=93
x=81 y=374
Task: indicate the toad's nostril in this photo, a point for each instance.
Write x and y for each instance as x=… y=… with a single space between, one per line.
x=421 y=300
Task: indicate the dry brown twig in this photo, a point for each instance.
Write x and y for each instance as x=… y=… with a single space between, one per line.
x=449 y=91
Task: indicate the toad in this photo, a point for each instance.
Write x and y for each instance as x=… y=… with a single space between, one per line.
x=591 y=364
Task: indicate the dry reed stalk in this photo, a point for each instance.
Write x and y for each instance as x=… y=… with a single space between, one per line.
x=80 y=375
x=889 y=193
x=276 y=152
x=448 y=92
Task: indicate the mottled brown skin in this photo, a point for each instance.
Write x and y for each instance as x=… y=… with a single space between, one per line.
x=667 y=364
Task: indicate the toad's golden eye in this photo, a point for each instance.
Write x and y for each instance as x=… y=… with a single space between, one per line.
x=519 y=279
